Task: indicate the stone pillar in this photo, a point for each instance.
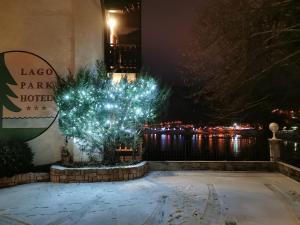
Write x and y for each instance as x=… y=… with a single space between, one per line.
x=275 y=146
x=274 y=143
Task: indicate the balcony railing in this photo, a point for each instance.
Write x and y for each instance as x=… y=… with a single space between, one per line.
x=123 y=58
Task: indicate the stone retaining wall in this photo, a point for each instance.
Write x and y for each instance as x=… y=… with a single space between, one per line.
x=212 y=165
x=24 y=179
x=288 y=170
x=61 y=174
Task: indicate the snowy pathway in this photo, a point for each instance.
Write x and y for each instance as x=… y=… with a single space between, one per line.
x=161 y=198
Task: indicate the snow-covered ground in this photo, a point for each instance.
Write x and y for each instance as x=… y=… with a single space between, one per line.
x=161 y=198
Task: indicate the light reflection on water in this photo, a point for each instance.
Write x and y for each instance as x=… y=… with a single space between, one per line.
x=204 y=147
x=236 y=145
x=290 y=152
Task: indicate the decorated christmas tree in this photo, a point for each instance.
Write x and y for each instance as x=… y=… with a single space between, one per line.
x=6 y=92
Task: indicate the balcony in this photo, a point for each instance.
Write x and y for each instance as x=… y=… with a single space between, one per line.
x=123 y=36
x=123 y=58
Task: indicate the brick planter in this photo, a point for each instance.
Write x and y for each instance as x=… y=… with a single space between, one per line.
x=60 y=174
x=24 y=179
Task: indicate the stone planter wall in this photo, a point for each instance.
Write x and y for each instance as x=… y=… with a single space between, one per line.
x=24 y=179
x=61 y=174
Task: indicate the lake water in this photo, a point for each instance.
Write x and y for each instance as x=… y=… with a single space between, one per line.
x=204 y=147
x=290 y=152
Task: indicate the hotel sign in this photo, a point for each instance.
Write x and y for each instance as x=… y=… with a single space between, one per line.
x=27 y=106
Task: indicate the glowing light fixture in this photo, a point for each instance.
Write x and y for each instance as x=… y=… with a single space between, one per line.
x=112 y=23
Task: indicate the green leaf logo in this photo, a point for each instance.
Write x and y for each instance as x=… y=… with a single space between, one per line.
x=6 y=92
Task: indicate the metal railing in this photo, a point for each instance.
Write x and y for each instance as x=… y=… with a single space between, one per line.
x=123 y=58
x=290 y=152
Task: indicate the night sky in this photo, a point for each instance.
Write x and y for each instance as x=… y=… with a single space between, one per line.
x=166 y=30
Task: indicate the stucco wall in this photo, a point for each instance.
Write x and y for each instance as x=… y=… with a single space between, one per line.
x=66 y=33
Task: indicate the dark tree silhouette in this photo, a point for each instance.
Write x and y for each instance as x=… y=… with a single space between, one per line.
x=244 y=59
x=6 y=92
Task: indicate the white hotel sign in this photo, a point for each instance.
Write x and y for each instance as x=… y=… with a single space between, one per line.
x=26 y=97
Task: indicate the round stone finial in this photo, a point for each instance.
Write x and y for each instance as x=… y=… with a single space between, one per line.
x=274 y=127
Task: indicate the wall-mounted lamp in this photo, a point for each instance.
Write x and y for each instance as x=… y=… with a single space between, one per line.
x=112 y=24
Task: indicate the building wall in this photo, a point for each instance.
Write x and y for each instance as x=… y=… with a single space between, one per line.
x=66 y=33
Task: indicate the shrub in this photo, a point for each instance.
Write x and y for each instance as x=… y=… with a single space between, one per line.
x=102 y=115
x=15 y=157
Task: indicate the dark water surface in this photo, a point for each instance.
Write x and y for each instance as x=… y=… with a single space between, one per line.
x=290 y=152
x=204 y=147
